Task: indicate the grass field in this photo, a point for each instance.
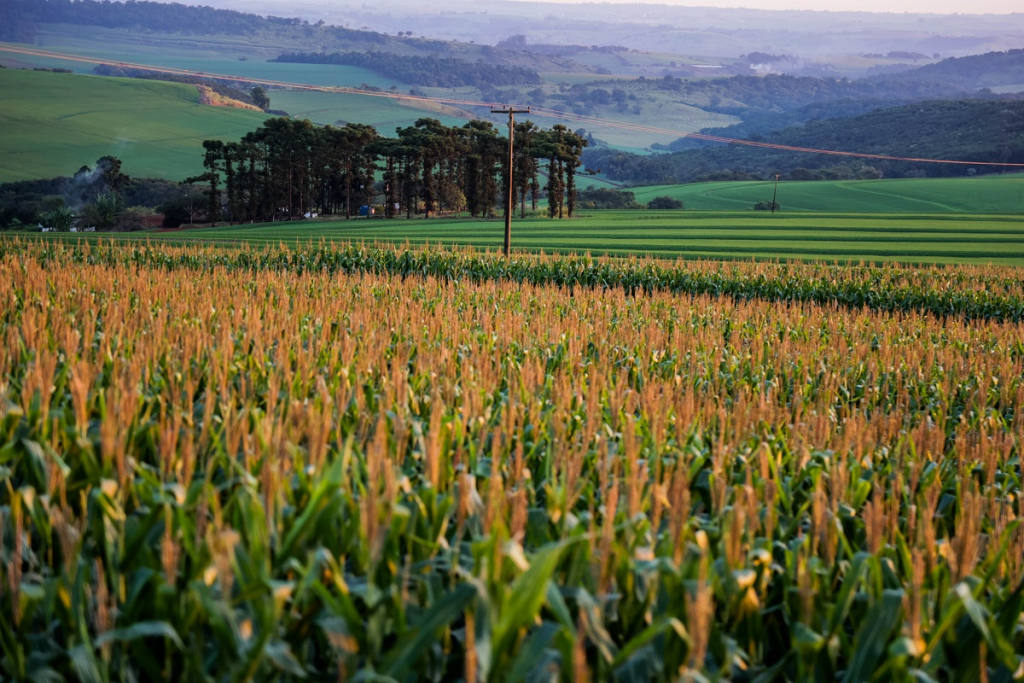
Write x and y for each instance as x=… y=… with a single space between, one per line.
x=905 y=238
x=329 y=108
x=659 y=111
x=224 y=55
x=210 y=54
x=55 y=123
x=980 y=195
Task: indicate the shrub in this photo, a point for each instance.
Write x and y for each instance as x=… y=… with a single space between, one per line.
x=61 y=219
x=665 y=203
x=131 y=220
x=605 y=198
x=104 y=213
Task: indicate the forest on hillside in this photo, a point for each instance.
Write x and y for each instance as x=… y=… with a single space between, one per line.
x=740 y=95
x=970 y=130
x=990 y=70
x=764 y=103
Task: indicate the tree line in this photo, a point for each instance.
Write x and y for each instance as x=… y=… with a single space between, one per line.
x=288 y=168
x=429 y=70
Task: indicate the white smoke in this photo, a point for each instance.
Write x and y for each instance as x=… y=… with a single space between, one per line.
x=782 y=66
x=85 y=186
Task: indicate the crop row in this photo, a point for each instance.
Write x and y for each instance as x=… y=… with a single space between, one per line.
x=972 y=293
x=257 y=465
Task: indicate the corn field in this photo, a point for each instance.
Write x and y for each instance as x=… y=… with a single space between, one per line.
x=368 y=464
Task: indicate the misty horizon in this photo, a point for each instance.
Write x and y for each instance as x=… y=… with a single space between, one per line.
x=921 y=7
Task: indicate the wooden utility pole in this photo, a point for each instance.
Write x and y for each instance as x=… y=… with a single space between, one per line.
x=511 y=111
x=776 y=193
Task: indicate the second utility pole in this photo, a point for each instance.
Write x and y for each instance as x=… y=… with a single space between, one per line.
x=511 y=111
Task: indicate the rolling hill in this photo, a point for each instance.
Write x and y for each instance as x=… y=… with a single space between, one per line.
x=54 y=123
x=989 y=131
x=989 y=70
x=1003 y=194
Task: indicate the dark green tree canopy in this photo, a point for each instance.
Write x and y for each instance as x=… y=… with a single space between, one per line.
x=289 y=169
x=260 y=98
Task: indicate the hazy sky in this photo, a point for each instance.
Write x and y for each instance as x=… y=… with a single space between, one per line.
x=912 y=6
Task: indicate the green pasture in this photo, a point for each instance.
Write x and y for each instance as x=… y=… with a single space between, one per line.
x=236 y=56
x=1000 y=194
x=329 y=108
x=53 y=124
x=241 y=56
x=658 y=110
x=204 y=61
x=909 y=238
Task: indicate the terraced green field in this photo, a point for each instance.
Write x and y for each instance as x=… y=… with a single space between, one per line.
x=713 y=235
x=1003 y=194
x=55 y=123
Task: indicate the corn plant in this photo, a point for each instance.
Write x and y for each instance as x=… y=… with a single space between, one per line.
x=368 y=464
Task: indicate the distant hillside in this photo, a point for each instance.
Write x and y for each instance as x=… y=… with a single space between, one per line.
x=974 y=130
x=758 y=123
x=770 y=104
x=54 y=122
x=430 y=70
x=981 y=195
x=740 y=95
x=20 y=19
x=989 y=70
x=152 y=16
x=765 y=103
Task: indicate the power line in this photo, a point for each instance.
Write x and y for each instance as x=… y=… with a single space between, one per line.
x=511 y=111
x=540 y=111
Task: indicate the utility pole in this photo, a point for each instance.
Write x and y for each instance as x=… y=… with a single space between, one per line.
x=776 y=193
x=511 y=111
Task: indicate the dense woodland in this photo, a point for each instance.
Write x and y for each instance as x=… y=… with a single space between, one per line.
x=430 y=70
x=288 y=168
x=971 y=130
